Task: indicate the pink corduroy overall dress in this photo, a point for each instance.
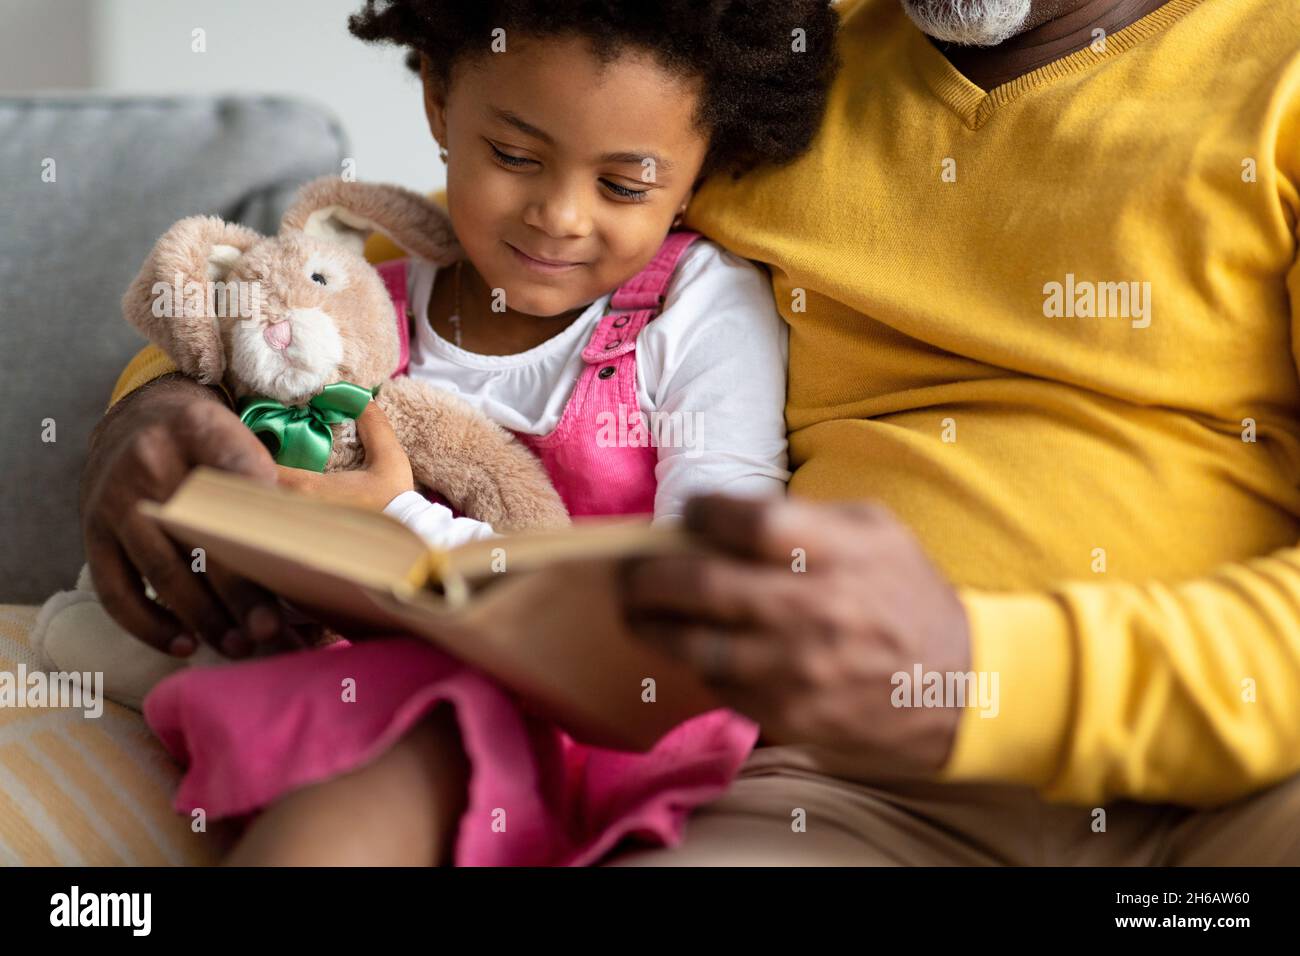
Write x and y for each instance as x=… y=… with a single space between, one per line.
x=249 y=733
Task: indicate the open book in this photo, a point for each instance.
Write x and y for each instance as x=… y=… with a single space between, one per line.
x=538 y=612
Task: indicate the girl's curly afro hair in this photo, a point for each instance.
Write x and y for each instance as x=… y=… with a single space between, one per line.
x=764 y=85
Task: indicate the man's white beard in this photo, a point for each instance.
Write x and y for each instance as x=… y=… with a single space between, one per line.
x=969 y=22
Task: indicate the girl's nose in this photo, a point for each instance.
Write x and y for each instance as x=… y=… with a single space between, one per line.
x=560 y=213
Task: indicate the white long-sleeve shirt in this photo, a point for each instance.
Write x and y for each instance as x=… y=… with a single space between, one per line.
x=712 y=362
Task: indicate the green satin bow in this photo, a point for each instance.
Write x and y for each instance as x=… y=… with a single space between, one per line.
x=303 y=432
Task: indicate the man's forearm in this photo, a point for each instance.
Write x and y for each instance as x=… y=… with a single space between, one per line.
x=134 y=411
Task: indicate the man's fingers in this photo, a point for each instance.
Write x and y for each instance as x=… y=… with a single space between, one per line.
x=210 y=435
x=788 y=530
x=256 y=610
x=709 y=588
x=759 y=529
x=182 y=590
x=721 y=656
x=143 y=451
x=121 y=592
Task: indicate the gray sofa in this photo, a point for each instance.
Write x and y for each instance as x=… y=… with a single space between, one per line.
x=120 y=172
x=78 y=788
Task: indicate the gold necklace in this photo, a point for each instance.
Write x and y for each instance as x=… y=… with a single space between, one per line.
x=454 y=318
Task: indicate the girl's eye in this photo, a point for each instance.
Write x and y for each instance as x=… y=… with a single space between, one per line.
x=635 y=195
x=317 y=278
x=505 y=159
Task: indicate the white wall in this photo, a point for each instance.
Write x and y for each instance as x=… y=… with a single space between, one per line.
x=44 y=44
x=298 y=48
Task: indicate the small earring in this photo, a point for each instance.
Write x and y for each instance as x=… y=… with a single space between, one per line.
x=442 y=153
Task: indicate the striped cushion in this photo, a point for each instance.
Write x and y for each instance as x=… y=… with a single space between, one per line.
x=76 y=790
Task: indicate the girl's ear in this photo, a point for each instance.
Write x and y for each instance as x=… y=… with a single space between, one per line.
x=174 y=300
x=681 y=209
x=347 y=213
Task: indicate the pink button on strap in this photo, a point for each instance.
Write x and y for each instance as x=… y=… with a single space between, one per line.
x=615 y=335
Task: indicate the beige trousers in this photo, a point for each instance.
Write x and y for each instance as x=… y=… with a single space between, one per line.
x=846 y=823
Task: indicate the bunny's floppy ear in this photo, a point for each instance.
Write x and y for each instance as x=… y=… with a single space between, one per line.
x=172 y=299
x=333 y=209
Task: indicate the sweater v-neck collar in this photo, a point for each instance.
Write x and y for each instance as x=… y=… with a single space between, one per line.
x=974 y=105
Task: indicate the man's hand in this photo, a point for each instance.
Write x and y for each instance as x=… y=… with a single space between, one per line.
x=810 y=654
x=385 y=474
x=142 y=450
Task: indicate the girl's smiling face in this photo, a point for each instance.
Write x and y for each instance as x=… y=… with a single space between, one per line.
x=563 y=173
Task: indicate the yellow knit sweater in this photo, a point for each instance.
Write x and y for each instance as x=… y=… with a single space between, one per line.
x=1041 y=325
x=1033 y=323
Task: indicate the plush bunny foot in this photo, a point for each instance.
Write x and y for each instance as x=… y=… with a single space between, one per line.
x=73 y=632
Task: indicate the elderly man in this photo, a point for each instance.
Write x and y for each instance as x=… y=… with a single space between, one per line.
x=1040 y=271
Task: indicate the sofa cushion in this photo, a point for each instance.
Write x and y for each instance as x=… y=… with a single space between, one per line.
x=86 y=790
x=87 y=184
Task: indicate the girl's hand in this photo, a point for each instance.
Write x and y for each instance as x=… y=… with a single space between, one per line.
x=385 y=475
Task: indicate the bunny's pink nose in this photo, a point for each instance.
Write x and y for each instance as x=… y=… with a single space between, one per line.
x=278 y=335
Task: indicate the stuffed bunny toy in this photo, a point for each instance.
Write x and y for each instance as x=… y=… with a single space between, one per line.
x=313 y=338
x=322 y=316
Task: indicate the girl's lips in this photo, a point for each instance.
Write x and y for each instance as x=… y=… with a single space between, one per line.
x=544 y=266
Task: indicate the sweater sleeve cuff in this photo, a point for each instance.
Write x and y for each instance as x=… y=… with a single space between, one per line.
x=148 y=364
x=1025 y=639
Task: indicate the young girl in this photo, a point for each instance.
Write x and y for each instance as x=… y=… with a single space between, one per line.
x=574 y=134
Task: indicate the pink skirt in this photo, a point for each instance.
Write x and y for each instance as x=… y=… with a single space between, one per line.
x=249 y=733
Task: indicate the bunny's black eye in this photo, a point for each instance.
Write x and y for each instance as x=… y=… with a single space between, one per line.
x=317 y=277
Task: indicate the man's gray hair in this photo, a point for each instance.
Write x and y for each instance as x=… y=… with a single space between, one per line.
x=969 y=22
